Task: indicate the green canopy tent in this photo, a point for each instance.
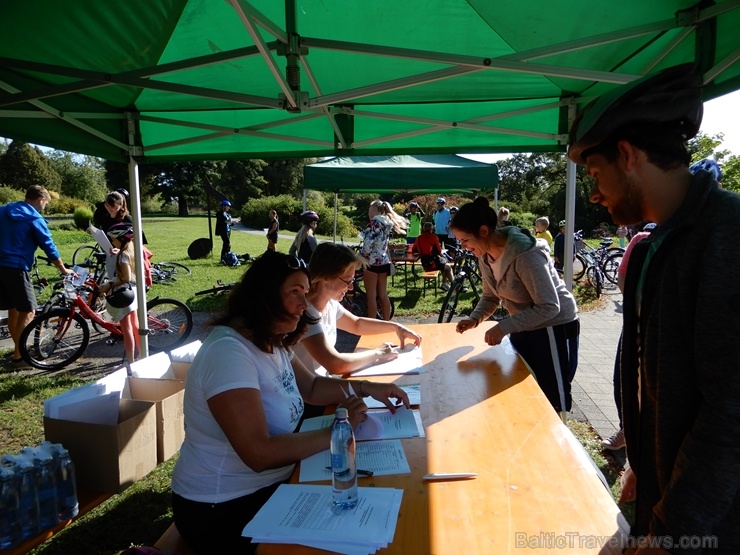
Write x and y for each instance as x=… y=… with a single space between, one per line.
x=421 y=174
x=170 y=80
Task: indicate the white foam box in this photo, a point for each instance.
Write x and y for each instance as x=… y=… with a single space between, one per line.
x=182 y=357
x=110 y=457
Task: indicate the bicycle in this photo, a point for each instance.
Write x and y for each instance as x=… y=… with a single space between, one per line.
x=600 y=265
x=355 y=300
x=467 y=278
x=165 y=272
x=59 y=336
x=84 y=254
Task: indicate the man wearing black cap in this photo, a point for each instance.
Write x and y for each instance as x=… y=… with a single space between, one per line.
x=680 y=364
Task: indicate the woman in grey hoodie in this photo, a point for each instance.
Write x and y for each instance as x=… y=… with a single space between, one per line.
x=517 y=271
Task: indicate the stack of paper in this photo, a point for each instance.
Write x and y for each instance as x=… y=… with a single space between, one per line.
x=300 y=514
x=409 y=361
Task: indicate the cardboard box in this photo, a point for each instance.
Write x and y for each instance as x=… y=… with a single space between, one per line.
x=110 y=457
x=182 y=357
x=167 y=396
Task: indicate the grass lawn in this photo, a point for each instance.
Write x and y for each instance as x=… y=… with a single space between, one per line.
x=142 y=513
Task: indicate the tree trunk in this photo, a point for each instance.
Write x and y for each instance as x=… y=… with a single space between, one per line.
x=182 y=206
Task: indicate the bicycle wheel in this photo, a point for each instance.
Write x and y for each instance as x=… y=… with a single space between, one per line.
x=595 y=278
x=84 y=255
x=449 y=306
x=170 y=323
x=611 y=266
x=379 y=314
x=174 y=268
x=53 y=340
x=97 y=304
x=579 y=267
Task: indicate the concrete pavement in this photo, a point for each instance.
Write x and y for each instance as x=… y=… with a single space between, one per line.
x=592 y=388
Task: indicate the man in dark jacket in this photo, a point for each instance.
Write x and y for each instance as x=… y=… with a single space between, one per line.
x=223 y=227
x=680 y=365
x=23 y=230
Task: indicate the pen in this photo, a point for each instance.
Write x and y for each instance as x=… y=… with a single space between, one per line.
x=439 y=476
x=360 y=472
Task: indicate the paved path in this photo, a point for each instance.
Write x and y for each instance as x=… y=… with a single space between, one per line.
x=592 y=389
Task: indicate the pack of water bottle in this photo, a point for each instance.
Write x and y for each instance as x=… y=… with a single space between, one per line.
x=38 y=490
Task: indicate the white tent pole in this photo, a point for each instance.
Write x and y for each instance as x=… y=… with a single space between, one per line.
x=495 y=199
x=135 y=196
x=570 y=210
x=335 y=217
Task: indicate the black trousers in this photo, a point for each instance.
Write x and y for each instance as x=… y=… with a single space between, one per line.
x=211 y=528
x=226 y=246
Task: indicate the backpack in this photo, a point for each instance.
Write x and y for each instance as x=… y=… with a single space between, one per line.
x=230 y=259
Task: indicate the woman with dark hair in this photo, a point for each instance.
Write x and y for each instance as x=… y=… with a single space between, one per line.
x=332 y=271
x=113 y=210
x=517 y=271
x=244 y=399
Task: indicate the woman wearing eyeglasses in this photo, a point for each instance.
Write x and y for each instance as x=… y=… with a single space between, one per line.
x=332 y=270
x=244 y=398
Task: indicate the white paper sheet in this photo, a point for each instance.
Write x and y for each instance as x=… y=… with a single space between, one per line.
x=380 y=424
x=380 y=457
x=100 y=238
x=409 y=361
x=303 y=514
x=412 y=390
x=155 y=367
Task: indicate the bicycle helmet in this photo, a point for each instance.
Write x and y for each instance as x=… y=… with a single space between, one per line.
x=649 y=227
x=669 y=99
x=309 y=216
x=441 y=200
x=561 y=223
x=454 y=209
x=414 y=204
x=121 y=296
x=225 y=203
x=708 y=165
x=121 y=231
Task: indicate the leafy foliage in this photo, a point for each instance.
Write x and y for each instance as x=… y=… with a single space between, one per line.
x=83 y=177
x=23 y=165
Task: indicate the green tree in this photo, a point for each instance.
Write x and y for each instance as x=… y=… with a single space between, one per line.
x=705 y=146
x=240 y=180
x=23 y=165
x=180 y=182
x=83 y=177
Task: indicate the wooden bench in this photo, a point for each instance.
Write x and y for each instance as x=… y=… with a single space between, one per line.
x=426 y=277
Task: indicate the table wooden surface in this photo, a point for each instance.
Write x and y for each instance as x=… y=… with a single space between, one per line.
x=537 y=490
x=407 y=259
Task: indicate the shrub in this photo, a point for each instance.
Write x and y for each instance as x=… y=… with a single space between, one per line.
x=8 y=194
x=82 y=217
x=65 y=205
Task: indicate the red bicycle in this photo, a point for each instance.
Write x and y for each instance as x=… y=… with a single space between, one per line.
x=58 y=336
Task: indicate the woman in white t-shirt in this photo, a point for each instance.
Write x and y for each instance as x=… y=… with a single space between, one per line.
x=244 y=399
x=332 y=269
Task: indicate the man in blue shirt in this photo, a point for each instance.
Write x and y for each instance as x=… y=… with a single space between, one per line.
x=22 y=231
x=441 y=219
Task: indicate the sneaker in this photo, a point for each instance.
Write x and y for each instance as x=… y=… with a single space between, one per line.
x=445 y=286
x=615 y=442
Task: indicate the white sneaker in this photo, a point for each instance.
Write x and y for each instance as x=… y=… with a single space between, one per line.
x=445 y=286
x=615 y=442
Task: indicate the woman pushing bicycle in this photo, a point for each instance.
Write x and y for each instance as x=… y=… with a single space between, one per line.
x=121 y=291
x=517 y=270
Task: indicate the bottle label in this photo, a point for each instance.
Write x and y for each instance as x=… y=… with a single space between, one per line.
x=338 y=462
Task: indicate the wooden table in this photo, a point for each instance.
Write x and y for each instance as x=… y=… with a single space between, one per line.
x=537 y=489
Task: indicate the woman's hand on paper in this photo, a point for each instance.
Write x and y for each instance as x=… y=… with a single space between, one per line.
x=384 y=392
x=404 y=333
x=356 y=409
x=386 y=352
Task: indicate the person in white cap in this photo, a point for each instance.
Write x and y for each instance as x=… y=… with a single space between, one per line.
x=441 y=218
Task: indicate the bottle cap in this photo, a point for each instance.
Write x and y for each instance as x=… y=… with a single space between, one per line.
x=341 y=413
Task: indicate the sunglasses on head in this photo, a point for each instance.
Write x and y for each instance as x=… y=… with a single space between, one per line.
x=295 y=263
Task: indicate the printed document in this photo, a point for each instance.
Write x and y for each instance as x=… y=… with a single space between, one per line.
x=380 y=424
x=379 y=457
x=412 y=390
x=408 y=362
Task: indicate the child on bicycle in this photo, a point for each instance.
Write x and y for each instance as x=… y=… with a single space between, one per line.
x=121 y=303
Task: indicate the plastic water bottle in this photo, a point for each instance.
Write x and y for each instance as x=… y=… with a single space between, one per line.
x=10 y=533
x=69 y=506
x=46 y=485
x=28 y=510
x=343 y=470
